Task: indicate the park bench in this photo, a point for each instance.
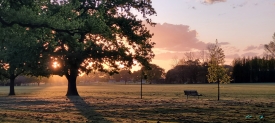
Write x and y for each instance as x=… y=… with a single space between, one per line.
x=191 y=93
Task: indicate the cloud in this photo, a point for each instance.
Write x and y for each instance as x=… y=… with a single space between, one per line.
x=261 y=47
x=242 y=4
x=223 y=43
x=249 y=48
x=249 y=54
x=176 y=38
x=213 y=1
x=252 y=47
x=230 y=49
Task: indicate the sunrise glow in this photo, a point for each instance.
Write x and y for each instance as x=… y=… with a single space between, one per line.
x=55 y=64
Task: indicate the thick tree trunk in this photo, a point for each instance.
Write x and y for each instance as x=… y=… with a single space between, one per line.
x=12 y=78
x=72 y=90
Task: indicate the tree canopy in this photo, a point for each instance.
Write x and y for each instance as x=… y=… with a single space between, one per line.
x=92 y=35
x=21 y=52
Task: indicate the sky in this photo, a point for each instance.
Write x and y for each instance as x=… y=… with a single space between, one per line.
x=241 y=27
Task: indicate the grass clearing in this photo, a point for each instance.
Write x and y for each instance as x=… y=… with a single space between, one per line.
x=122 y=103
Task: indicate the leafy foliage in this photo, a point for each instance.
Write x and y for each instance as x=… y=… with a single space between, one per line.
x=189 y=71
x=21 y=52
x=154 y=73
x=93 y=35
x=216 y=72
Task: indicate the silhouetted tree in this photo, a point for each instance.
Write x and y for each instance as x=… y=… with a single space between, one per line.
x=154 y=73
x=270 y=47
x=21 y=51
x=253 y=69
x=88 y=34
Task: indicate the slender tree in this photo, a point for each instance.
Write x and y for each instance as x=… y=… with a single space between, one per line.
x=216 y=71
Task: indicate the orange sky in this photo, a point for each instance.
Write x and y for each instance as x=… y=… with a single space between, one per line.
x=242 y=27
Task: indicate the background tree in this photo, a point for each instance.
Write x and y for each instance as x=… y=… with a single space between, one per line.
x=154 y=74
x=253 y=69
x=21 y=52
x=176 y=75
x=216 y=71
x=190 y=69
x=270 y=47
x=136 y=76
x=89 y=34
x=123 y=75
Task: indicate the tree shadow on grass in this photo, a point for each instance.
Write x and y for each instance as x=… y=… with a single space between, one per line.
x=87 y=111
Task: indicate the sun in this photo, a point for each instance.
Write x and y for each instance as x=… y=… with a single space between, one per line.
x=55 y=64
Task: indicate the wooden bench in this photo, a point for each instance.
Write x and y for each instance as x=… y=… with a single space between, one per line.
x=191 y=93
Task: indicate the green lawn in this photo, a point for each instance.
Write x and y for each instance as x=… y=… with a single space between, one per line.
x=122 y=103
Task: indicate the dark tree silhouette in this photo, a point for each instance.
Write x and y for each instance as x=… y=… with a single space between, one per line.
x=21 y=52
x=88 y=35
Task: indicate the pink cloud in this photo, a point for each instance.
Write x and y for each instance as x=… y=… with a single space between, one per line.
x=176 y=37
x=252 y=47
x=213 y=1
x=249 y=54
x=230 y=49
x=249 y=48
x=223 y=43
x=260 y=47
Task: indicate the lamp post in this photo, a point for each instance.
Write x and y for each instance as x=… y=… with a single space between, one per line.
x=141 y=83
x=143 y=76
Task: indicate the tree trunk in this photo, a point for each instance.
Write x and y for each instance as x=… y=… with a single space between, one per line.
x=72 y=90
x=12 y=78
x=218 y=89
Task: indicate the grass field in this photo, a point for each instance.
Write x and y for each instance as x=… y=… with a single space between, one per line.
x=121 y=103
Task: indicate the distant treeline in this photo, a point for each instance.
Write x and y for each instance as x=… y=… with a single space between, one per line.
x=253 y=70
x=243 y=70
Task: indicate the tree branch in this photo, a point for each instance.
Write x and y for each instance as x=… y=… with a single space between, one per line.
x=19 y=73
x=5 y=75
x=71 y=32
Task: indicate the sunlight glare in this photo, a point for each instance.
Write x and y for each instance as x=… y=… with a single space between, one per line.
x=56 y=64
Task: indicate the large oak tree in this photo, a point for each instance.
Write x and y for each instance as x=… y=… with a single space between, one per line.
x=89 y=35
